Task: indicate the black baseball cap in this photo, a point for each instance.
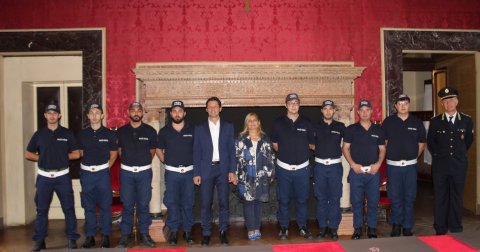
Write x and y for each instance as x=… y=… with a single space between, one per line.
x=52 y=107
x=135 y=104
x=364 y=103
x=291 y=96
x=328 y=103
x=403 y=97
x=177 y=104
x=95 y=106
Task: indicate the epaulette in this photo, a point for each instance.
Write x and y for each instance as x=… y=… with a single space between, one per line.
x=465 y=114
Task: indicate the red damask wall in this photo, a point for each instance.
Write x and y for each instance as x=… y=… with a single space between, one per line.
x=216 y=30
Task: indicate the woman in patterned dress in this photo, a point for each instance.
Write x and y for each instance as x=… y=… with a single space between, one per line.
x=255 y=170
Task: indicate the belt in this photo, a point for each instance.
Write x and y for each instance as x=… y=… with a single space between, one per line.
x=328 y=161
x=179 y=169
x=292 y=167
x=135 y=168
x=53 y=173
x=215 y=162
x=402 y=162
x=94 y=168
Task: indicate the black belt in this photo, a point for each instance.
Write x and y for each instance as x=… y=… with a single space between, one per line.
x=215 y=162
x=52 y=170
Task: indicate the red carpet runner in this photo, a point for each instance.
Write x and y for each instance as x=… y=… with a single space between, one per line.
x=446 y=243
x=309 y=247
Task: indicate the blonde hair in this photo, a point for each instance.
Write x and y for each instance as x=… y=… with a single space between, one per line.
x=245 y=125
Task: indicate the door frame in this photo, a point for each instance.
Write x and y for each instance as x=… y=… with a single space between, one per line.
x=90 y=43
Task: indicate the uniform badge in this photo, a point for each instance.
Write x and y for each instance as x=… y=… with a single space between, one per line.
x=462 y=136
x=446 y=90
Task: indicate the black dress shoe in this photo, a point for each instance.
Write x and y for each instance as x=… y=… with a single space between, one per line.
x=172 y=238
x=396 y=230
x=223 y=238
x=305 y=233
x=371 y=233
x=322 y=233
x=283 y=235
x=357 y=234
x=334 y=234
x=72 y=244
x=39 y=245
x=147 y=240
x=124 y=241
x=187 y=236
x=407 y=232
x=89 y=242
x=105 y=243
x=206 y=240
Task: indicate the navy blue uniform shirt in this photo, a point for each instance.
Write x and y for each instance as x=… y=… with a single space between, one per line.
x=293 y=139
x=403 y=137
x=178 y=146
x=96 y=145
x=364 y=144
x=328 y=139
x=136 y=144
x=53 y=147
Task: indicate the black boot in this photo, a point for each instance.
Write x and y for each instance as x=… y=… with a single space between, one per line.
x=105 y=243
x=147 y=240
x=206 y=240
x=305 y=233
x=357 y=234
x=396 y=229
x=371 y=233
x=223 y=238
x=89 y=242
x=39 y=245
x=407 y=232
x=124 y=241
x=72 y=244
x=322 y=233
x=334 y=234
x=172 y=238
x=283 y=235
x=188 y=237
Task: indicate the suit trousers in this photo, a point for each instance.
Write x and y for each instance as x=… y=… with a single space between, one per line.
x=219 y=181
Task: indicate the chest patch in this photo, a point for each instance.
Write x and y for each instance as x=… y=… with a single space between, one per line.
x=335 y=132
x=300 y=129
x=376 y=136
x=62 y=140
x=103 y=140
x=187 y=135
x=143 y=138
x=410 y=128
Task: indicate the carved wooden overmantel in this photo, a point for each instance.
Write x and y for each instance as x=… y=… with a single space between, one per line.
x=243 y=84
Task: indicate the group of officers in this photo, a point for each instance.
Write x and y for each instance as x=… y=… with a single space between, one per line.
x=204 y=156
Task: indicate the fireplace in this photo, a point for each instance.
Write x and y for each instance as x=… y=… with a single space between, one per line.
x=242 y=87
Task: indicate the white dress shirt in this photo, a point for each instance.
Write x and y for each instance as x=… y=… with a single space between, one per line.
x=215 y=133
x=453 y=118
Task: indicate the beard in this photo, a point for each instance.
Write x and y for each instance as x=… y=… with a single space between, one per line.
x=178 y=120
x=136 y=118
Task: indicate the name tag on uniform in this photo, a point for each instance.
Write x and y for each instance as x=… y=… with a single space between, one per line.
x=409 y=128
x=187 y=135
x=335 y=132
x=143 y=138
x=62 y=139
x=376 y=136
x=103 y=140
x=300 y=129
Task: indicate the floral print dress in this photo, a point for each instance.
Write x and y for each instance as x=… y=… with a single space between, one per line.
x=255 y=167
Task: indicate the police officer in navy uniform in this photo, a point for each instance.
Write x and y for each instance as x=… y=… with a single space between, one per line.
x=406 y=137
x=137 y=142
x=450 y=135
x=364 y=149
x=293 y=137
x=52 y=147
x=175 y=150
x=98 y=148
x=328 y=171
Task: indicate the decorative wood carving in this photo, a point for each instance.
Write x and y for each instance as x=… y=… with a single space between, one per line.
x=245 y=84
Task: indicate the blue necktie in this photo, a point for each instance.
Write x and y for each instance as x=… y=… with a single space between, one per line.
x=450 y=122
